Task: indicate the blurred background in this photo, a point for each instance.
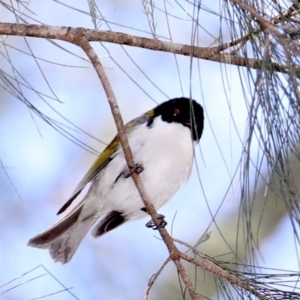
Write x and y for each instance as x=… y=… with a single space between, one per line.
x=42 y=162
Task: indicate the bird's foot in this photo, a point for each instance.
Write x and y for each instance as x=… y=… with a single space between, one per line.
x=162 y=223
x=138 y=168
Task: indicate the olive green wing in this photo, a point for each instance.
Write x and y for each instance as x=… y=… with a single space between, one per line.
x=105 y=158
x=100 y=163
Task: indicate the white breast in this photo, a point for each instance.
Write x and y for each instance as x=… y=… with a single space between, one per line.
x=166 y=152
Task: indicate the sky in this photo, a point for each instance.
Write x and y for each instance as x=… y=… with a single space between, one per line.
x=44 y=167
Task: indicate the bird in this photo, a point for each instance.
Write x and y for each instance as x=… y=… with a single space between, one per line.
x=162 y=142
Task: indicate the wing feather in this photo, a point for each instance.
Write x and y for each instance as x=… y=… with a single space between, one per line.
x=105 y=158
x=100 y=163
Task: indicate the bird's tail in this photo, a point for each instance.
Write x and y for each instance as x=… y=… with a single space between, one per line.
x=63 y=238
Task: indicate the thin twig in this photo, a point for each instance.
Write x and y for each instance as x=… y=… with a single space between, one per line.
x=154 y=277
x=291 y=11
x=266 y=24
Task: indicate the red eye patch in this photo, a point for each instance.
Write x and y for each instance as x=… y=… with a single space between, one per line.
x=176 y=112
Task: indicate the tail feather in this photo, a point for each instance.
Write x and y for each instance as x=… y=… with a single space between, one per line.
x=63 y=238
x=63 y=248
x=45 y=238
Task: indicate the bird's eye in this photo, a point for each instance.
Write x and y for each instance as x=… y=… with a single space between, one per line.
x=176 y=112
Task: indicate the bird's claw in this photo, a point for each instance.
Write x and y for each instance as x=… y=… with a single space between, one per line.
x=138 y=168
x=162 y=223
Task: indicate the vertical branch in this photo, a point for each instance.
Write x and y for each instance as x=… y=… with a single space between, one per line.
x=83 y=42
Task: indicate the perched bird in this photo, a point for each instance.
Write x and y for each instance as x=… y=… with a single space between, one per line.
x=162 y=142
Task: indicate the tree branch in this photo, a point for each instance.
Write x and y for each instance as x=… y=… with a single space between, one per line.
x=71 y=34
x=206 y=263
x=82 y=37
x=82 y=42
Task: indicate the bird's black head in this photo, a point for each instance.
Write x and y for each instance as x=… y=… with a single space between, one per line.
x=185 y=111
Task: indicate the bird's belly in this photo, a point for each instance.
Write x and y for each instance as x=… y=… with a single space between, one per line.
x=167 y=165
